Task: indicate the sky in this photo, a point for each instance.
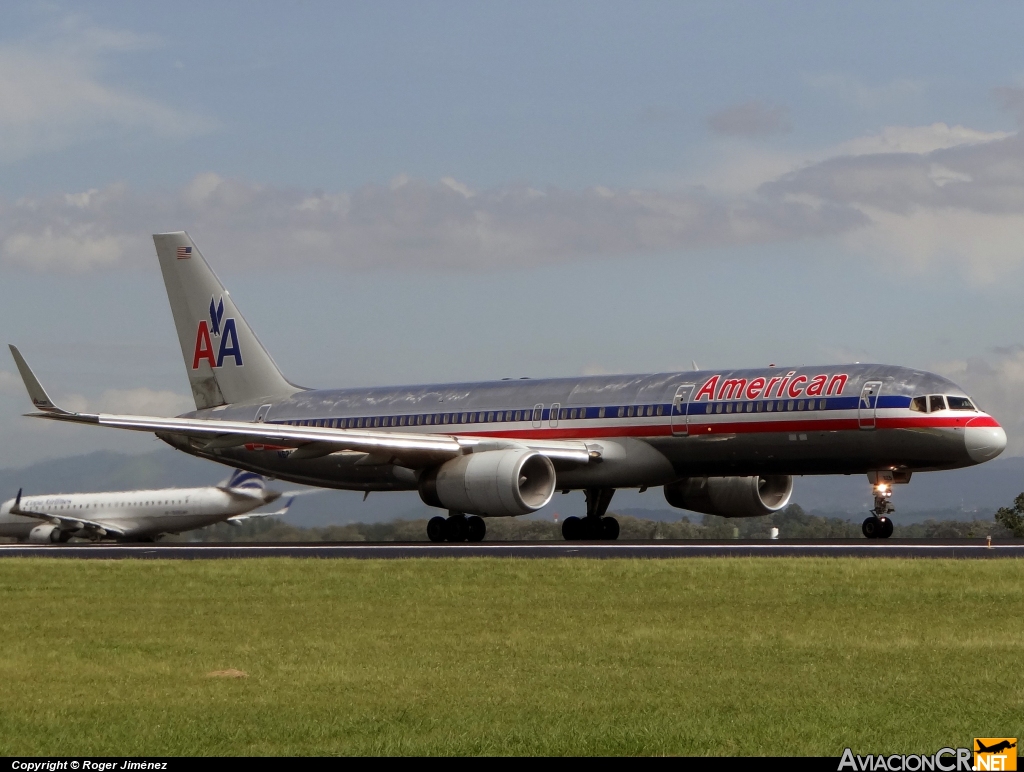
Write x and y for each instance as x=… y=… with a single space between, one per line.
x=402 y=192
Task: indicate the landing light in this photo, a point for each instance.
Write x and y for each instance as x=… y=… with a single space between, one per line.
x=882 y=489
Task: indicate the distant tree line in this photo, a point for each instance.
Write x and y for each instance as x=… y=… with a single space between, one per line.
x=793 y=523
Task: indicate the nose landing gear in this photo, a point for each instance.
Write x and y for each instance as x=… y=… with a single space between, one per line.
x=879 y=526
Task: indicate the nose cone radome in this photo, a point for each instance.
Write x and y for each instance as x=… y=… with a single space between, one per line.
x=984 y=442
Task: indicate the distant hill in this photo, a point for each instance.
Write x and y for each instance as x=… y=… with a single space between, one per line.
x=963 y=494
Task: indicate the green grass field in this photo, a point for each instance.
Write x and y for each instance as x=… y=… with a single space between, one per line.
x=489 y=656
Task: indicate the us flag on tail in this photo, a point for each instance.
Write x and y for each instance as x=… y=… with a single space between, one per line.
x=184 y=253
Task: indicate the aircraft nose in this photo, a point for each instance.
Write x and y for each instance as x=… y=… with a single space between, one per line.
x=984 y=442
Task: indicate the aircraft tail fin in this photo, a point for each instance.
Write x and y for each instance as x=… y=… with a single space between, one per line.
x=225 y=361
x=241 y=480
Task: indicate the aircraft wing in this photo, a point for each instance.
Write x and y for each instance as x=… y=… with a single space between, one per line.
x=410 y=449
x=66 y=523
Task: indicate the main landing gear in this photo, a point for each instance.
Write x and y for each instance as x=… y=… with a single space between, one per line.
x=457 y=527
x=595 y=525
x=879 y=526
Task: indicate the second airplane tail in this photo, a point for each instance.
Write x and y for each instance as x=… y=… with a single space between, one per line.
x=225 y=361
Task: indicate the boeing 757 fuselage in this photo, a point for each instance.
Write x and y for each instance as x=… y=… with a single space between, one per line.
x=720 y=442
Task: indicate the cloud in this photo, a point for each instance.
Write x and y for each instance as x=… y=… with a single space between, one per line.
x=750 y=119
x=916 y=139
x=54 y=94
x=407 y=223
x=140 y=401
x=905 y=195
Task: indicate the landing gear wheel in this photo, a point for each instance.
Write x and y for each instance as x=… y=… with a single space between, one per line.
x=609 y=528
x=872 y=528
x=457 y=528
x=886 y=531
x=436 y=529
x=592 y=529
x=572 y=529
x=476 y=528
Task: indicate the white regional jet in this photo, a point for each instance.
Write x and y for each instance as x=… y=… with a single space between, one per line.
x=135 y=515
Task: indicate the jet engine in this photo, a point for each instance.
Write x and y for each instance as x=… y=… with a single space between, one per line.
x=493 y=483
x=44 y=534
x=731 y=496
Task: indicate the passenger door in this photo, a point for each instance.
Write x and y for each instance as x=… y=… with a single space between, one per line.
x=680 y=413
x=868 y=404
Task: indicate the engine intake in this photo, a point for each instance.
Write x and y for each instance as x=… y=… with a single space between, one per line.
x=44 y=534
x=731 y=496
x=494 y=483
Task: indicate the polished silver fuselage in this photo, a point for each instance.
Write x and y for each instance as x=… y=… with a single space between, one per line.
x=648 y=429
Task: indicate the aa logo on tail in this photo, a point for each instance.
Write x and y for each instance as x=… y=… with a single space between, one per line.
x=216 y=327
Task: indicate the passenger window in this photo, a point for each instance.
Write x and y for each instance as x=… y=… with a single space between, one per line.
x=728 y=408
x=789 y=405
x=960 y=403
x=622 y=412
x=769 y=407
x=465 y=418
x=573 y=413
x=936 y=402
x=718 y=408
x=518 y=415
x=800 y=405
x=583 y=412
x=600 y=412
x=661 y=410
x=810 y=404
x=821 y=404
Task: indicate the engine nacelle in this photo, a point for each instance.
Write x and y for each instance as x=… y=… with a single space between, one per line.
x=44 y=534
x=493 y=483
x=731 y=496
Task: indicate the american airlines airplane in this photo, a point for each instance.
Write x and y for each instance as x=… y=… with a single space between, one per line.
x=720 y=442
x=128 y=516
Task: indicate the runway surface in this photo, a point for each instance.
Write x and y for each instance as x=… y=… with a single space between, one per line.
x=894 y=548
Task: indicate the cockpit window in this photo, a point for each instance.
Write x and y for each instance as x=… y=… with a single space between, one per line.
x=936 y=402
x=960 y=403
x=920 y=404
